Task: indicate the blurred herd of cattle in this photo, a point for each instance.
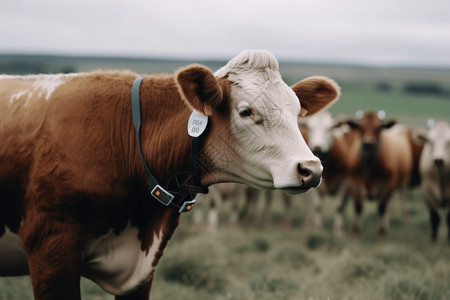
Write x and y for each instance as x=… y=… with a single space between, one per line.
x=366 y=157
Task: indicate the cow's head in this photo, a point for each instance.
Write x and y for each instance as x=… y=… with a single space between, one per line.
x=320 y=129
x=254 y=137
x=370 y=126
x=437 y=140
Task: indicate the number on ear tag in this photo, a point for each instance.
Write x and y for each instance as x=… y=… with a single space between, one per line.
x=197 y=123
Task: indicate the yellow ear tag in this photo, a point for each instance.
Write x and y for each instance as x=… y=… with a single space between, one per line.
x=303 y=112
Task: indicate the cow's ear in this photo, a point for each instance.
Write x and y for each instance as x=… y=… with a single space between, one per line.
x=353 y=124
x=200 y=89
x=341 y=120
x=316 y=93
x=389 y=124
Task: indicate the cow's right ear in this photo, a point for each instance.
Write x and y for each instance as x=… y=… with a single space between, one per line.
x=315 y=94
x=200 y=89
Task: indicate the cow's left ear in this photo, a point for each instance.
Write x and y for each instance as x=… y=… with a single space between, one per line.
x=389 y=124
x=316 y=93
x=200 y=89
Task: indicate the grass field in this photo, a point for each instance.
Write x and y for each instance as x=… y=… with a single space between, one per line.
x=274 y=262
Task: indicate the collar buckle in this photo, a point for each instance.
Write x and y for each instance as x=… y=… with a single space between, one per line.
x=187 y=206
x=162 y=195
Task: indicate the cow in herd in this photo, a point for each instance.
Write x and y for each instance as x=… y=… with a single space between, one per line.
x=329 y=139
x=381 y=161
x=97 y=167
x=435 y=173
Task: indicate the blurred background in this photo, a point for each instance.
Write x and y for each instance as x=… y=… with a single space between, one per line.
x=385 y=55
x=391 y=55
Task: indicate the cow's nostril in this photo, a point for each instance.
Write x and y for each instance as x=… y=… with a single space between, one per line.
x=367 y=146
x=304 y=171
x=309 y=173
x=439 y=162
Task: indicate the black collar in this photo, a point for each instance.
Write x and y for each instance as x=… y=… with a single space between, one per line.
x=157 y=191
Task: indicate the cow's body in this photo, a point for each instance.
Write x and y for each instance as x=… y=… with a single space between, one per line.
x=211 y=202
x=435 y=174
x=72 y=183
x=329 y=139
x=380 y=161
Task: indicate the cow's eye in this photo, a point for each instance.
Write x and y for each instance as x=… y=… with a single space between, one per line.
x=245 y=112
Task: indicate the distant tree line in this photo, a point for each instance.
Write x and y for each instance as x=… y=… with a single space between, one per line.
x=32 y=67
x=416 y=88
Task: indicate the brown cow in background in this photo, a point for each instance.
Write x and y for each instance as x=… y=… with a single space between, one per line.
x=380 y=161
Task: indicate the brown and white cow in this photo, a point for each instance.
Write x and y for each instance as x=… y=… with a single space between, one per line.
x=73 y=185
x=380 y=161
x=329 y=139
x=435 y=173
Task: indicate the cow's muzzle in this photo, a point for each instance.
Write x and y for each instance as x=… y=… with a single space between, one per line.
x=310 y=173
x=439 y=162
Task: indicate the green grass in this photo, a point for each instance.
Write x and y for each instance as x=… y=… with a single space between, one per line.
x=411 y=110
x=275 y=262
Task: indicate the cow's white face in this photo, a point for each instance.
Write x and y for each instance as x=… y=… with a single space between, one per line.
x=261 y=144
x=320 y=133
x=272 y=151
x=438 y=144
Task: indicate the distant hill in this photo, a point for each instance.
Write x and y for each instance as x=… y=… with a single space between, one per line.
x=32 y=64
x=412 y=93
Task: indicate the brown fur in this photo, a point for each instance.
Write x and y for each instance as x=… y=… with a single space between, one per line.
x=71 y=169
x=320 y=90
x=196 y=77
x=391 y=168
x=336 y=166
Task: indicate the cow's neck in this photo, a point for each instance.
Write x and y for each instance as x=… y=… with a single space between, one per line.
x=166 y=150
x=165 y=142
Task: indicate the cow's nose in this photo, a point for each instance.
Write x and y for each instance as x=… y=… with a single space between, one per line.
x=368 y=146
x=439 y=162
x=310 y=173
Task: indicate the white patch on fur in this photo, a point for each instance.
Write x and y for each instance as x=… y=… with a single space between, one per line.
x=38 y=86
x=117 y=263
x=16 y=96
x=46 y=85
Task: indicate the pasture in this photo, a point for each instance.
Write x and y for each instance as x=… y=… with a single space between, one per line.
x=269 y=261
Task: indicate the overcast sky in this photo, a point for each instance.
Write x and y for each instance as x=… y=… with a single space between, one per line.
x=381 y=32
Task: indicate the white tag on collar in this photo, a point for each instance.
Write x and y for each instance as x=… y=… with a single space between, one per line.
x=197 y=123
